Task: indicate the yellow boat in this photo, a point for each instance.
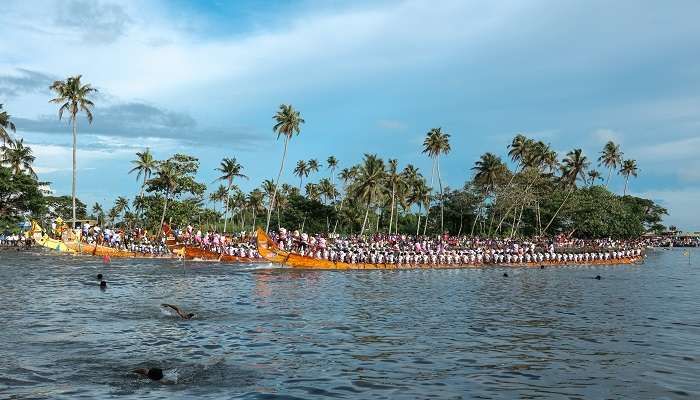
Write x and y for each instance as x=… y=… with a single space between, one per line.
x=42 y=239
x=269 y=250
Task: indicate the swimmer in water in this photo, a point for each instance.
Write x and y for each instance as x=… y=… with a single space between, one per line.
x=179 y=311
x=154 y=374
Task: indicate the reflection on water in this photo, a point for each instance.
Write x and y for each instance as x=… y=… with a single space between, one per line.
x=274 y=333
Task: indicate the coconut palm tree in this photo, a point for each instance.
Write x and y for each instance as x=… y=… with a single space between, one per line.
x=166 y=179
x=488 y=169
x=112 y=215
x=5 y=124
x=313 y=165
x=144 y=165
x=301 y=170
x=369 y=183
x=121 y=205
x=282 y=201
x=73 y=97
x=97 y=212
x=593 y=175
x=19 y=158
x=326 y=190
x=346 y=175
x=332 y=164
x=573 y=168
x=393 y=180
x=629 y=168
x=436 y=143
x=220 y=195
x=610 y=157
x=229 y=169
x=238 y=199
x=255 y=202
x=287 y=122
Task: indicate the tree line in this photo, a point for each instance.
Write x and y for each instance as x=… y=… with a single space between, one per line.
x=540 y=194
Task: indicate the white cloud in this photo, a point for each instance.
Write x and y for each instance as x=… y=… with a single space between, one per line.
x=94 y=150
x=682 y=149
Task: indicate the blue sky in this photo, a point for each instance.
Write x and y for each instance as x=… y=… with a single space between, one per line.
x=206 y=78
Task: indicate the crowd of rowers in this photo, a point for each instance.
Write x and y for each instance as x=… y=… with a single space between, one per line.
x=240 y=244
x=380 y=248
x=450 y=250
x=135 y=241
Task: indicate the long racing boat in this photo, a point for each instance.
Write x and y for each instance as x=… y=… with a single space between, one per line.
x=199 y=254
x=269 y=250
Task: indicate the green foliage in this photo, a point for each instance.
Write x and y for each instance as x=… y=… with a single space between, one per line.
x=310 y=213
x=20 y=195
x=62 y=206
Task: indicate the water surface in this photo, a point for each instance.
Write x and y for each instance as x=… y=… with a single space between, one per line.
x=264 y=333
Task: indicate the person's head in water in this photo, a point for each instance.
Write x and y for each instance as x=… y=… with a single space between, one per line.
x=103 y=284
x=505 y=274
x=190 y=315
x=154 y=374
x=598 y=277
x=99 y=277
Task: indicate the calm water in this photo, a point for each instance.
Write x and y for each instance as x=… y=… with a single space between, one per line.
x=272 y=333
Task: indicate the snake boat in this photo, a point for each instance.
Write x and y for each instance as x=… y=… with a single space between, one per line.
x=269 y=250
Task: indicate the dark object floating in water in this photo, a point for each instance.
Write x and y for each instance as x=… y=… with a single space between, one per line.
x=154 y=374
x=505 y=274
x=103 y=284
x=541 y=266
x=598 y=277
x=99 y=277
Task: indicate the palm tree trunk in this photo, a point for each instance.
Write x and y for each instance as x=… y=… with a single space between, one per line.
x=365 y=220
x=476 y=218
x=75 y=164
x=461 y=219
x=607 y=181
x=337 y=217
x=396 y=224
x=379 y=216
x=277 y=184
x=391 y=218
x=228 y=191
x=559 y=209
x=625 y=191
x=520 y=217
x=427 y=214
x=418 y=224
x=278 y=218
x=442 y=198
x=162 y=217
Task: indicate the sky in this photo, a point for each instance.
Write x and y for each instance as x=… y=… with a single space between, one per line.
x=205 y=78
